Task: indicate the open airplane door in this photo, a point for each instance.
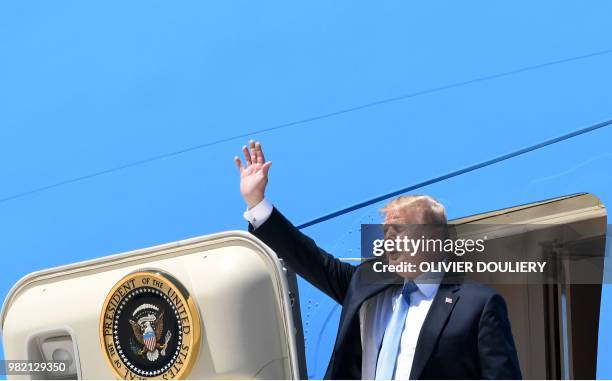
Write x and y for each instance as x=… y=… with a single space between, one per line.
x=555 y=324
x=211 y=307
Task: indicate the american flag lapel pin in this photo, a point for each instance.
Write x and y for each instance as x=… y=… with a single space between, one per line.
x=448 y=300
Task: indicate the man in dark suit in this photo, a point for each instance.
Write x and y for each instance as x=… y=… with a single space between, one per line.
x=415 y=329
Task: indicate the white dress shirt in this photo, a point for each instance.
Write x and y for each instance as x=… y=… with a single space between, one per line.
x=374 y=316
x=375 y=313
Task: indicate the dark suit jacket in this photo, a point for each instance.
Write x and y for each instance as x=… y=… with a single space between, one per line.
x=469 y=338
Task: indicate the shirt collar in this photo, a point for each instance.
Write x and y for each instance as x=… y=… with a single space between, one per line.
x=428 y=289
x=428 y=283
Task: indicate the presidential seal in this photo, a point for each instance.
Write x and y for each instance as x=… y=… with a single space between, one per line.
x=149 y=327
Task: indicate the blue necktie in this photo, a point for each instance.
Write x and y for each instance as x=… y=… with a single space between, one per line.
x=387 y=357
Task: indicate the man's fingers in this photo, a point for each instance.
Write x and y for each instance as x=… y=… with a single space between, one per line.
x=238 y=163
x=247 y=155
x=266 y=168
x=260 y=155
x=254 y=153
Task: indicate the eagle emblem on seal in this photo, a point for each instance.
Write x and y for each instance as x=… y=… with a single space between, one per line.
x=148 y=326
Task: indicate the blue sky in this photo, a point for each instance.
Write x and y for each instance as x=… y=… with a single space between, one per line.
x=90 y=86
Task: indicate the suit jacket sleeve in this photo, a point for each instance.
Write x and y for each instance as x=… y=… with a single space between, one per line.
x=496 y=350
x=301 y=253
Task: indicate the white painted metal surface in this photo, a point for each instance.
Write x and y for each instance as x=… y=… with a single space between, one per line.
x=237 y=282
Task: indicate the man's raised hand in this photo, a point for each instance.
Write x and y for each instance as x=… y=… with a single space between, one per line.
x=254 y=174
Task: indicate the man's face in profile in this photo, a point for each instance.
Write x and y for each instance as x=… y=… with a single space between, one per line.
x=408 y=223
x=401 y=222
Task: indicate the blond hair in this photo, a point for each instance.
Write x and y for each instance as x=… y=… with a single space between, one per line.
x=433 y=212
